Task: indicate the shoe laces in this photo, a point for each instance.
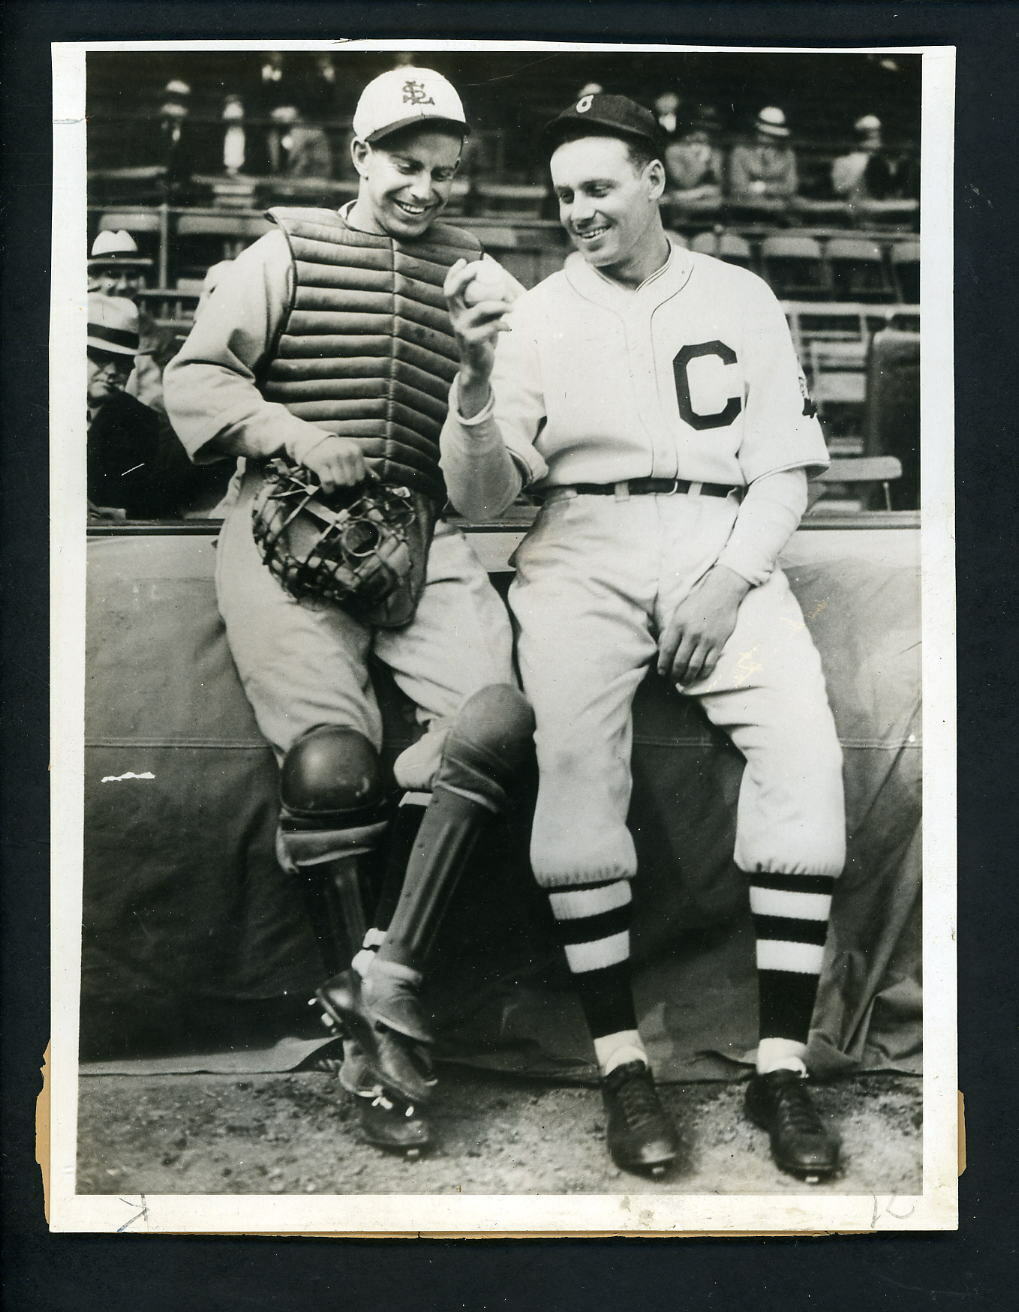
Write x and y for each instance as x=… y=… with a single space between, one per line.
x=637 y=1096
x=794 y=1108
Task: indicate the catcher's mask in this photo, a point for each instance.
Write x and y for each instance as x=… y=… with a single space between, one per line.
x=352 y=546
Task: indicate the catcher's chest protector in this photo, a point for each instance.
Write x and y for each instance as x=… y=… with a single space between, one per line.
x=367 y=350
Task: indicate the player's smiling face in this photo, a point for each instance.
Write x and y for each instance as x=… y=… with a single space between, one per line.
x=609 y=204
x=405 y=181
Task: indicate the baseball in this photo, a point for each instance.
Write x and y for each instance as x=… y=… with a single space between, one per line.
x=488 y=283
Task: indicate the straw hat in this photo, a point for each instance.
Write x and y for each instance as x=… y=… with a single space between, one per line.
x=771 y=122
x=112 y=324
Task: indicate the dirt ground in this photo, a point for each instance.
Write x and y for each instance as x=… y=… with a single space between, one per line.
x=297 y=1134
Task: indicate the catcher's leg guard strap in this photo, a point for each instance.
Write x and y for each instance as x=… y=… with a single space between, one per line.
x=332 y=814
x=484 y=753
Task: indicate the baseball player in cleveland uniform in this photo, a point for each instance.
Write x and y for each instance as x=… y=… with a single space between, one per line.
x=328 y=343
x=651 y=400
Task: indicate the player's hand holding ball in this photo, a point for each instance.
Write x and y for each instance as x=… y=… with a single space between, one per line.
x=487 y=283
x=478 y=296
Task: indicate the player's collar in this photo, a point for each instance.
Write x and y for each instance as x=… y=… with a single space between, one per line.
x=667 y=280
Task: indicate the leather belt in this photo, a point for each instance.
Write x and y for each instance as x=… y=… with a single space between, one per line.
x=643 y=487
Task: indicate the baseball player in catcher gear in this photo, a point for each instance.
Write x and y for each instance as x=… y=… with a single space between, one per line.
x=651 y=400
x=324 y=357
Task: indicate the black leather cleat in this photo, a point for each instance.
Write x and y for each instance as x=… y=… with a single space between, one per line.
x=392 y=1125
x=641 y=1137
x=401 y=1067
x=780 y=1103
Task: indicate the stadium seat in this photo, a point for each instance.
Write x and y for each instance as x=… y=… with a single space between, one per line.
x=202 y=239
x=134 y=220
x=892 y=419
x=894 y=215
x=838 y=386
x=507 y=200
x=728 y=246
x=792 y=264
x=862 y=471
x=837 y=372
x=906 y=271
x=858 y=270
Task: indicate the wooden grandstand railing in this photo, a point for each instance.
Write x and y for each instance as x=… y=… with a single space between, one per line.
x=163 y=229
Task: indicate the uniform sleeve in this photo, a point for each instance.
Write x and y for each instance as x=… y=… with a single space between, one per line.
x=781 y=429
x=487 y=459
x=767 y=519
x=209 y=387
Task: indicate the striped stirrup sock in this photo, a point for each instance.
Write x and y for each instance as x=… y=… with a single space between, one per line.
x=593 y=922
x=790 y=914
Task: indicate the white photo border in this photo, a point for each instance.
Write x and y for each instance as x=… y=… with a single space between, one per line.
x=366 y=1215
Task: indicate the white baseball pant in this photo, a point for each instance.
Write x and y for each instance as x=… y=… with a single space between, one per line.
x=597 y=579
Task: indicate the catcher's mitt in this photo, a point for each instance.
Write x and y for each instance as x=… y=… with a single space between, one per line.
x=352 y=546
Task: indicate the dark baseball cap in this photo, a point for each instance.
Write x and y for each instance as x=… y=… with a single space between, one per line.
x=604 y=115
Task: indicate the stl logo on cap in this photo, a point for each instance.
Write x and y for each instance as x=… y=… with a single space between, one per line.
x=403 y=97
x=416 y=93
x=584 y=104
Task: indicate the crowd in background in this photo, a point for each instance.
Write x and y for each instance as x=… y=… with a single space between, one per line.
x=286 y=117
x=136 y=466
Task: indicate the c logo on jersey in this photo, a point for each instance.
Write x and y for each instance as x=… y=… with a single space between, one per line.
x=721 y=418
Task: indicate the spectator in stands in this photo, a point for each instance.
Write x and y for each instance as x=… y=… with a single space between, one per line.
x=235 y=137
x=276 y=86
x=116 y=268
x=864 y=173
x=694 y=167
x=272 y=81
x=667 y=106
x=762 y=173
x=176 y=139
x=321 y=91
x=136 y=468
x=303 y=148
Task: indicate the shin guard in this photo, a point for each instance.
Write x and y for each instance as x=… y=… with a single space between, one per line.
x=332 y=817
x=481 y=760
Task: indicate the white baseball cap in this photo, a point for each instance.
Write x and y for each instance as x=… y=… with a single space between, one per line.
x=404 y=97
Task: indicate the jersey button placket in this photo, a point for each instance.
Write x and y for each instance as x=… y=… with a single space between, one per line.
x=641 y=342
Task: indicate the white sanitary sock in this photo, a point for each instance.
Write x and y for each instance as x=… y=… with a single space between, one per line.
x=614 y=1050
x=781 y=1055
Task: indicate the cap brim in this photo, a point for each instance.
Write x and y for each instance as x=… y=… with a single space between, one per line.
x=110 y=348
x=553 y=133
x=115 y=262
x=437 y=122
x=769 y=131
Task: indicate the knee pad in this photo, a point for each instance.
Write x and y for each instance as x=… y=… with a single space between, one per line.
x=487 y=745
x=332 y=798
